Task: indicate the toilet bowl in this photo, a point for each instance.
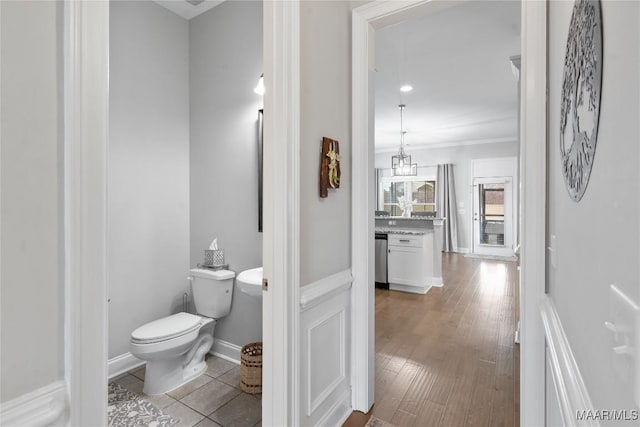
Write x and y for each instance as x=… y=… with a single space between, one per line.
x=175 y=346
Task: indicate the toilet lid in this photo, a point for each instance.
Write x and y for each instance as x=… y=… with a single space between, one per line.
x=167 y=327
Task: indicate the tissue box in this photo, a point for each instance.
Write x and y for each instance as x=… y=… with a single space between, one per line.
x=213 y=258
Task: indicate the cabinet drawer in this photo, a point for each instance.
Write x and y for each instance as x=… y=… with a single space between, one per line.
x=405 y=240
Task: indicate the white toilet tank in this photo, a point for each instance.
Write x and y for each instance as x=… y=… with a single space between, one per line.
x=212 y=291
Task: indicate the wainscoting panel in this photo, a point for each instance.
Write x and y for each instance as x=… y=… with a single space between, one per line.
x=46 y=406
x=566 y=392
x=325 y=357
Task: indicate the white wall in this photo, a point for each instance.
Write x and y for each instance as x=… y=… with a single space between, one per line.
x=597 y=238
x=32 y=283
x=225 y=64
x=325 y=224
x=325 y=107
x=148 y=188
x=459 y=156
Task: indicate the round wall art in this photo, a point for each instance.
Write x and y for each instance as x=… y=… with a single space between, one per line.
x=581 y=84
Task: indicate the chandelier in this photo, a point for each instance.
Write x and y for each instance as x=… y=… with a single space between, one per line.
x=401 y=163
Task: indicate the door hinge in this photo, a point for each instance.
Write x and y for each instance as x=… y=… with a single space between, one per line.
x=265 y=284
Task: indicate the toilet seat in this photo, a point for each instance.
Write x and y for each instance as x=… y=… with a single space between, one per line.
x=167 y=328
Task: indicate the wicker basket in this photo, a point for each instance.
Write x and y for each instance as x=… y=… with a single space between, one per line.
x=251 y=368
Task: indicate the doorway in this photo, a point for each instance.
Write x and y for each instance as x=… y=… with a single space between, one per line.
x=86 y=134
x=493 y=216
x=367 y=19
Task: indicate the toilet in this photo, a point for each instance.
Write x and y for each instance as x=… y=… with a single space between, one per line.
x=175 y=346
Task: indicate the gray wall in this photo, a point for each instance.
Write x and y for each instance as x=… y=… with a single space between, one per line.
x=32 y=284
x=597 y=238
x=148 y=207
x=459 y=157
x=225 y=64
x=325 y=107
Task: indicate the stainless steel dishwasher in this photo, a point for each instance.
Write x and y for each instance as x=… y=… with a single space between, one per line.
x=381 y=261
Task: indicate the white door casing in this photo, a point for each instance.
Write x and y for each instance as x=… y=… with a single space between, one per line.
x=493 y=248
x=281 y=237
x=86 y=139
x=366 y=19
x=86 y=98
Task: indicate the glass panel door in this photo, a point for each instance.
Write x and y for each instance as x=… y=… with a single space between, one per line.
x=493 y=216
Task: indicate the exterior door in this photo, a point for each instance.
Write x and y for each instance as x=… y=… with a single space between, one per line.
x=493 y=216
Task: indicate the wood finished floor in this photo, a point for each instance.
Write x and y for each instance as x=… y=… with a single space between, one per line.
x=448 y=358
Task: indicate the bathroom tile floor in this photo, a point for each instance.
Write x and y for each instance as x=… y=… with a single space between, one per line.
x=213 y=399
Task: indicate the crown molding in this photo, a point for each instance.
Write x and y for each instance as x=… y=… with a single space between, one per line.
x=448 y=144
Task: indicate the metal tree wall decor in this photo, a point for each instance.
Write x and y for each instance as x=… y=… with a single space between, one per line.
x=581 y=85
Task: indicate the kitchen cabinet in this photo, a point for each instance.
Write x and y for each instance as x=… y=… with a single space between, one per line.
x=410 y=262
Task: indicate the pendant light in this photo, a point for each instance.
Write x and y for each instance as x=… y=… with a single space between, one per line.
x=401 y=163
x=259 y=89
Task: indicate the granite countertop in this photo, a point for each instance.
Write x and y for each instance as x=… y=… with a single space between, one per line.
x=413 y=218
x=401 y=231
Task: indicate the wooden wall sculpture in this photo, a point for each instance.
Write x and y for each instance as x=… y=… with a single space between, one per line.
x=329 y=166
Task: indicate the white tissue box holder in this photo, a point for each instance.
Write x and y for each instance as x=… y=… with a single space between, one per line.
x=213 y=257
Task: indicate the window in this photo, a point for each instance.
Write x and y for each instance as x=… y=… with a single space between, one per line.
x=420 y=189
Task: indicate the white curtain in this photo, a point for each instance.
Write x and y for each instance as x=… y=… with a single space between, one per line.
x=446 y=207
x=378 y=178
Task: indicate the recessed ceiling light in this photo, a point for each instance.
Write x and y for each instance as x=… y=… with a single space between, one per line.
x=406 y=88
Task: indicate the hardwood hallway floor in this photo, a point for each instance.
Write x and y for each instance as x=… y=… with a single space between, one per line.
x=448 y=358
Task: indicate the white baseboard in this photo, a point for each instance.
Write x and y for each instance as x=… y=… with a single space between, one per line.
x=42 y=407
x=437 y=282
x=411 y=289
x=339 y=412
x=226 y=350
x=123 y=363
x=463 y=250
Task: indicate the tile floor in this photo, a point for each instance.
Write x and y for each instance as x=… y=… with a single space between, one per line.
x=211 y=400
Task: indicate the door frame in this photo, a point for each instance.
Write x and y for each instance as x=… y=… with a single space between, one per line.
x=510 y=212
x=86 y=94
x=86 y=127
x=281 y=235
x=532 y=182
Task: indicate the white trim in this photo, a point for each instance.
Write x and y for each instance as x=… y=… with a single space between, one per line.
x=41 y=407
x=437 y=282
x=421 y=290
x=339 y=412
x=323 y=289
x=362 y=222
x=532 y=212
x=570 y=388
x=86 y=88
x=226 y=350
x=124 y=363
x=281 y=239
x=312 y=405
x=449 y=144
x=533 y=197
x=463 y=250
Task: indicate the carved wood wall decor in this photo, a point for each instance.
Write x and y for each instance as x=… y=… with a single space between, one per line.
x=329 y=166
x=580 y=105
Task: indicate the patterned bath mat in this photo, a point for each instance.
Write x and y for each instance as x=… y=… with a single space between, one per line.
x=126 y=409
x=377 y=422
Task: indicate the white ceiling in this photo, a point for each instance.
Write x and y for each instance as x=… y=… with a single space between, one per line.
x=188 y=8
x=457 y=61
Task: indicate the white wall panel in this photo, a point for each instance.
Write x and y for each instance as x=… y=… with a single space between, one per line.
x=325 y=356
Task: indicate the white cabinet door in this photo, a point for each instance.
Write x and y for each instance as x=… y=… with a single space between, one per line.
x=406 y=265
